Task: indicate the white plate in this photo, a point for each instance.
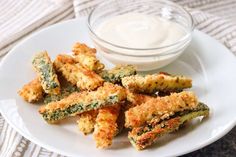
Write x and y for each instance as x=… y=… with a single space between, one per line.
x=210 y=65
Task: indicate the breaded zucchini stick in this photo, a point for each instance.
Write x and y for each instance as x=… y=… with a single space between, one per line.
x=78 y=103
x=133 y=100
x=62 y=59
x=46 y=73
x=137 y=99
x=106 y=126
x=32 y=91
x=160 y=107
x=117 y=73
x=78 y=75
x=87 y=121
x=156 y=82
x=86 y=56
x=65 y=91
x=142 y=137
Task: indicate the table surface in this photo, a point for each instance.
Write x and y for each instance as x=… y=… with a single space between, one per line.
x=225 y=146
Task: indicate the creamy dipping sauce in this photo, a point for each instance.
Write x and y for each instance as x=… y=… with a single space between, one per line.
x=135 y=39
x=136 y=30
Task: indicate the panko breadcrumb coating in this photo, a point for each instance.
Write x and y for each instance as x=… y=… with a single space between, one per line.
x=142 y=137
x=65 y=91
x=32 y=91
x=86 y=56
x=106 y=126
x=62 y=59
x=77 y=103
x=46 y=73
x=160 y=107
x=115 y=74
x=76 y=74
x=156 y=82
x=83 y=48
x=87 y=121
x=137 y=99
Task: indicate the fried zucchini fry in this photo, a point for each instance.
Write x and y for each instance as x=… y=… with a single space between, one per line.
x=76 y=74
x=145 y=136
x=62 y=59
x=46 y=73
x=77 y=103
x=156 y=82
x=32 y=91
x=106 y=126
x=65 y=91
x=86 y=56
x=137 y=99
x=117 y=73
x=160 y=107
x=87 y=121
x=83 y=48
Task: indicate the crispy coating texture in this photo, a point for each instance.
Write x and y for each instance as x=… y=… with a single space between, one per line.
x=78 y=103
x=156 y=82
x=87 y=121
x=62 y=59
x=137 y=99
x=142 y=137
x=46 y=73
x=32 y=91
x=65 y=91
x=160 y=107
x=76 y=74
x=115 y=74
x=83 y=48
x=86 y=56
x=106 y=126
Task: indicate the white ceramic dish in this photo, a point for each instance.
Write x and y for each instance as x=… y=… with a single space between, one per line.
x=209 y=63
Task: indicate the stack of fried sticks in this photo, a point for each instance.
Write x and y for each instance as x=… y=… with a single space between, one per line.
x=106 y=101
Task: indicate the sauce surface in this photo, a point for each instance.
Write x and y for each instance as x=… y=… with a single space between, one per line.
x=136 y=30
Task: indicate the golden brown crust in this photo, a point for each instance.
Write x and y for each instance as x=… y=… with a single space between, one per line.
x=87 y=121
x=63 y=103
x=161 y=107
x=76 y=74
x=83 y=48
x=103 y=93
x=86 y=56
x=148 y=138
x=106 y=126
x=62 y=59
x=137 y=99
x=144 y=136
x=32 y=91
x=156 y=82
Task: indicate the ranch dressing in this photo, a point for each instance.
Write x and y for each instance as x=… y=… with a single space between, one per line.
x=136 y=30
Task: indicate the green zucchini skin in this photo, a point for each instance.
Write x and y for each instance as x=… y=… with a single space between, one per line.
x=117 y=73
x=66 y=91
x=46 y=73
x=150 y=84
x=147 y=135
x=80 y=102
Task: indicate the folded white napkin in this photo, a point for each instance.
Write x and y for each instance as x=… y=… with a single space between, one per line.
x=18 y=18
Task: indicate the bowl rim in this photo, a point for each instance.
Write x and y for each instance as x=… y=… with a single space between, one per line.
x=188 y=34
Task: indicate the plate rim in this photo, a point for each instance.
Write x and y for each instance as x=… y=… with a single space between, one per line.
x=211 y=140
